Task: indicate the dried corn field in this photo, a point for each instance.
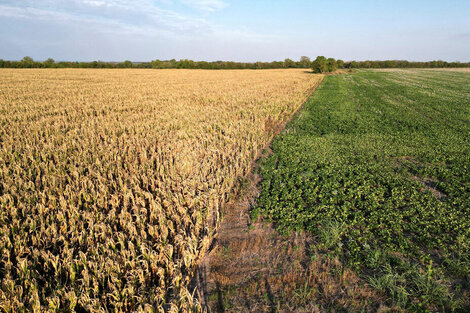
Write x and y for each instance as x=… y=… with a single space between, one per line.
x=112 y=181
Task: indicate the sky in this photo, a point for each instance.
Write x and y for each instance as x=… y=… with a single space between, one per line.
x=243 y=30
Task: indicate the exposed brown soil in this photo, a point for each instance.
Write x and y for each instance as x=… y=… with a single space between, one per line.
x=430 y=184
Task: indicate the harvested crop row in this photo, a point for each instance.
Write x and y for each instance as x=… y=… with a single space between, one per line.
x=111 y=180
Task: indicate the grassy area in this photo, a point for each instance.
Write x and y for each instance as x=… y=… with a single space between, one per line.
x=377 y=167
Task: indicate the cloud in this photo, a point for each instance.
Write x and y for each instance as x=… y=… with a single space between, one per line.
x=114 y=30
x=110 y=15
x=206 y=5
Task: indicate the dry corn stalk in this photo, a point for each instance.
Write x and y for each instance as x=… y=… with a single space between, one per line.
x=111 y=180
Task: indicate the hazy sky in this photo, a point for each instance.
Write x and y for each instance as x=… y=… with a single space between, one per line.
x=264 y=30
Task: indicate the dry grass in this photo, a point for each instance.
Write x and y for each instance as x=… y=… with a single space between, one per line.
x=262 y=273
x=111 y=180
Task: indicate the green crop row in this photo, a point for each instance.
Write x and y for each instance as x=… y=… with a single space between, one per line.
x=377 y=167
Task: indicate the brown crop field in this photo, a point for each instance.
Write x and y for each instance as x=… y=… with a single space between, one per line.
x=112 y=181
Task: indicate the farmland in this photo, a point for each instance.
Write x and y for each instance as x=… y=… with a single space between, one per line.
x=112 y=181
x=376 y=166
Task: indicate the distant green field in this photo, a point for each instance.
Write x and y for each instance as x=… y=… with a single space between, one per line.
x=377 y=167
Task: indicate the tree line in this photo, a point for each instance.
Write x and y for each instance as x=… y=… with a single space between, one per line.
x=320 y=65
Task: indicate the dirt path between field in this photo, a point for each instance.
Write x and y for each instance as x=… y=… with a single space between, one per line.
x=252 y=268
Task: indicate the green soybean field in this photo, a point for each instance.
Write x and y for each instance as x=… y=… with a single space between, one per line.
x=376 y=166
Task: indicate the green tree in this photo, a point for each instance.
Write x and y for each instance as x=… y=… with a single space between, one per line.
x=353 y=64
x=331 y=65
x=340 y=63
x=366 y=64
x=27 y=62
x=49 y=62
x=288 y=63
x=127 y=64
x=319 y=65
x=157 y=63
x=305 y=62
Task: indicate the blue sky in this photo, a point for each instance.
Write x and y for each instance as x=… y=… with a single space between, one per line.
x=264 y=30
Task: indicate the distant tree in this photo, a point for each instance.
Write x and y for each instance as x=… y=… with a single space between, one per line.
x=331 y=65
x=27 y=62
x=96 y=64
x=288 y=63
x=305 y=62
x=49 y=62
x=366 y=64
x=156 y=63
x=319 y=65
x=403 y=64
x=390 y=64
x=258 y=65
x=185 y=64
x=441 y=63
x=353 y=64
